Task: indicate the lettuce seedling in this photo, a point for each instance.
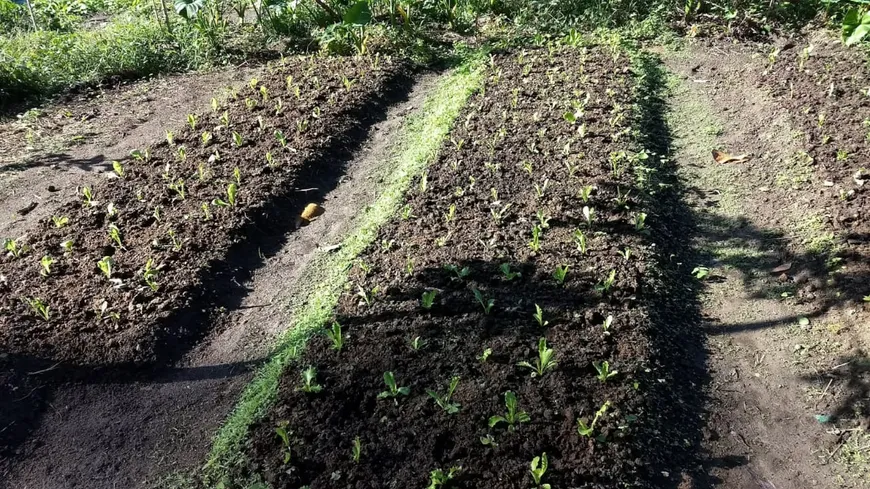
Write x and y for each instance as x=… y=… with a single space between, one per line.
x=178 y=187
x=428 y=298
x=605 y=285
x=191 y=121
x=206 y=138
x=282 y=140
x=626 y=253
x=507 y=273
x=284 y=434
x=460 y=273
x=46 y=263
x=512 y=417
x=106 y=265
x=60 y=222
x=119 y=168
x=177 y=244
x=67 y=246
x=535 y=243
x=586 y=430
x=545 y=362
x=498 y=215
x=538 y=469
x=444 y=401
x=608 y=321
x=279 y=106
x=356 y=450
x=89 y=197
x=418 y=343
x=451 y=213
x=13 y=249
x=115 y=235
x=40 y=308
x=237 y=139
x=309 y=386
x=588 y=215
x=539 y=316
x=225 y=119
x=170 y=137
x=586 y=193
x=394 y=391
x=335 y=336
x=640 y=222
x=543 y=220
x=440 y=479
x=149 y=274
x=541 y=190
x=485 y=356
x=604 y=371
x=485 y=302
x=232 y=192
x=560 y=273
x=580 y=241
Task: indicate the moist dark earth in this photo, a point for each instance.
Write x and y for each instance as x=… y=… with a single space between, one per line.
x=512 y=149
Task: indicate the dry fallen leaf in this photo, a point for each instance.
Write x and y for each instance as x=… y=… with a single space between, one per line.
x=723 y=157
x=782 y=268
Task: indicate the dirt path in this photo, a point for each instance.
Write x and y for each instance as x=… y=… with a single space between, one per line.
x=108 y=435
x=771 y=344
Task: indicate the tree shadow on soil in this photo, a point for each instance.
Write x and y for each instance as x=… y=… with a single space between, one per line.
x=221 y=285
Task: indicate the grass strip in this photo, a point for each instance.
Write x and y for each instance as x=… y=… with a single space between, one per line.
x=419 y=142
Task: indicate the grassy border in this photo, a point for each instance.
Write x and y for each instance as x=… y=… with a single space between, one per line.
x=419 y=144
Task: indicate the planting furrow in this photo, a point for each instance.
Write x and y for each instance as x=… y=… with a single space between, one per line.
x=162 y=421
x=498 y=323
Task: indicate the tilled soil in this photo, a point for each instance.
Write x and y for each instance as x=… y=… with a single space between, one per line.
x=512 y=153
x=167 y=210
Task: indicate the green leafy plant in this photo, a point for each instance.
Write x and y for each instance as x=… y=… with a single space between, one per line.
x=366 y=296
x=393 y=390
x=512 y=416
x=535 y=243
x=586 y=430
x=106 y=265
x=580 y=241
x=284 y=435
x=335 y=336
x=418 y=343
x=603 y=369
x=560 y=274
x=856 y=26
x=428 y=298
x=149 y=275
x=191 y=121
x=13 y=249
x=177 y=244
x=232 y=193
x=237 y=139
x=539 y=316
x=206 y=138
x=485 y=302
x=507 y=273
x=640 y=222
x=460 y=273
x=543 y=220
x=541 y=190
x=67 y=246
x=485 y=355
x=701 y=273
x=89 y=197
x=444 y=401
x=170 y=137
x=118 y=168
x=440 y=479
x=626 y=253
x=498 y=214
x=178 y=187
x=545 y=362
x=586 y=193
x=605 y=285
x=538 y=469
x=309 y=384
x=608 y=321
x=115 y=235
x=60 y=222
x=356 y=450
x=46 y=263
x=39 y=307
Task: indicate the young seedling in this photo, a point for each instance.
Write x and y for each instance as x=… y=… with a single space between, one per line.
x=586 y=430
x=232 y=193
x=89 y=197
x=282 y=140
x=119 y=169
x=284 y=434
x=225 y=119
x=106 y=265
x=538 y=469
x=394 y=391
x=545 y=362
x=115 y=235
x=428 y=299
x=418 y=343
x=580 y=241
x=178 y=187
x=535 y=243
x=40 y=308
x=498 y=215
x=626 y=253
x=13 y=249
x=586 y=193
x=191 y=121
x=539 y=316
x=608 y=322
x=177 y=244
x=309 y=384
x=541 y=190
x=170 y=137
x=444 y=401
x=588 y=215
x=512 y=417
x=438 y=479
x=460 y=273
x=206 y=211
x=560 y=273
x=335 y=336
x=237 y=139
x=543 y=220
x=46 y=263
x=451 y=213
x=149 y=275
x=485 y=355
x=507 y=273
x=603 y=369
x=206 y=138
x=367 y=297
x=356 y=450
x=485 y=302
x=605 y=285
x=640 y=222
x=67 y=246
x=60 y=222
x=701 y=273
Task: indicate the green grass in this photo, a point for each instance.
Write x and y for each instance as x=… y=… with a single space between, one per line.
x=419 y=143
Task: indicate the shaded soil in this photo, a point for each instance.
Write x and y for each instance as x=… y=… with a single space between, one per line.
x=84 y=441
x=510 y=139
x=99 y=320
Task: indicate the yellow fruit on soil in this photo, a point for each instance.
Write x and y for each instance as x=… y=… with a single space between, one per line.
x=310 y=213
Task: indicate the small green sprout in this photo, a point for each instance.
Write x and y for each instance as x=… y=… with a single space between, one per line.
x=538 y=469
x=14 y=250
x=560 y=273
x=460 y=273
x=626 y=253
x=608 y=321
x=444 y=401
x=40 y=308
x=67 y=246
x=451 y=213
x=580 y=241
x=604 y=371
x=543 y=220
x=191 y=121
x=60 y=222
x=225 y=119
x=284 y=434
x=367 y=297
x=535 y=243
x=206 y=211
x=356 y=450
x=418 y=343
x=119 y=168
x=394 y=391
x=499 y=214
x=206 y=138
x=149 y=275
x=586 y=430
x=586 y=193
x=640 y=222
x=485 y=302
x=177 y=244
x=440 y=479
x=178 y=187
x=701 y=273
x=46 y=263
x=539 y=316
x=428 y=299
x=106 y=265
x=115 y=235
x=237 y=139
x=488 y=440
x=335 y=336
x=309 y=386
x=485 y=356
x=541 y=190
x=282 y=140
x=545 y=362
x=507 y=273
x=588 y=215
x=605 y=285
x=170 y=137
x=89 y=197
x=232 y=193
x=512 y=417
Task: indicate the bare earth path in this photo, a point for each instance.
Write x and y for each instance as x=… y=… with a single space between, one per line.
x=770 y=343
x=130 y=434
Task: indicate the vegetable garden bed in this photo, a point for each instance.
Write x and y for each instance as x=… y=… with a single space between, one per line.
x=149 y=253
x=525 y=240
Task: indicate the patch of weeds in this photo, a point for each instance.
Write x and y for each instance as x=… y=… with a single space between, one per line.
x=796 y=172
x=855 y=454
x=815 y=237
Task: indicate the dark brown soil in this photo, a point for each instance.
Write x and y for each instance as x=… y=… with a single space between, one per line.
x=518 y=119
x=98 y=321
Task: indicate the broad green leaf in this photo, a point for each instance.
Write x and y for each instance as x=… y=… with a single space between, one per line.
x=358 y=14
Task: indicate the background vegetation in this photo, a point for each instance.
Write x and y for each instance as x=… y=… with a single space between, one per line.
x=47 y=46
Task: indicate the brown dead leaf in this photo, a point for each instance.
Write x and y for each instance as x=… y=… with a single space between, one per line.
x=723 y=157
x=782 y=268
